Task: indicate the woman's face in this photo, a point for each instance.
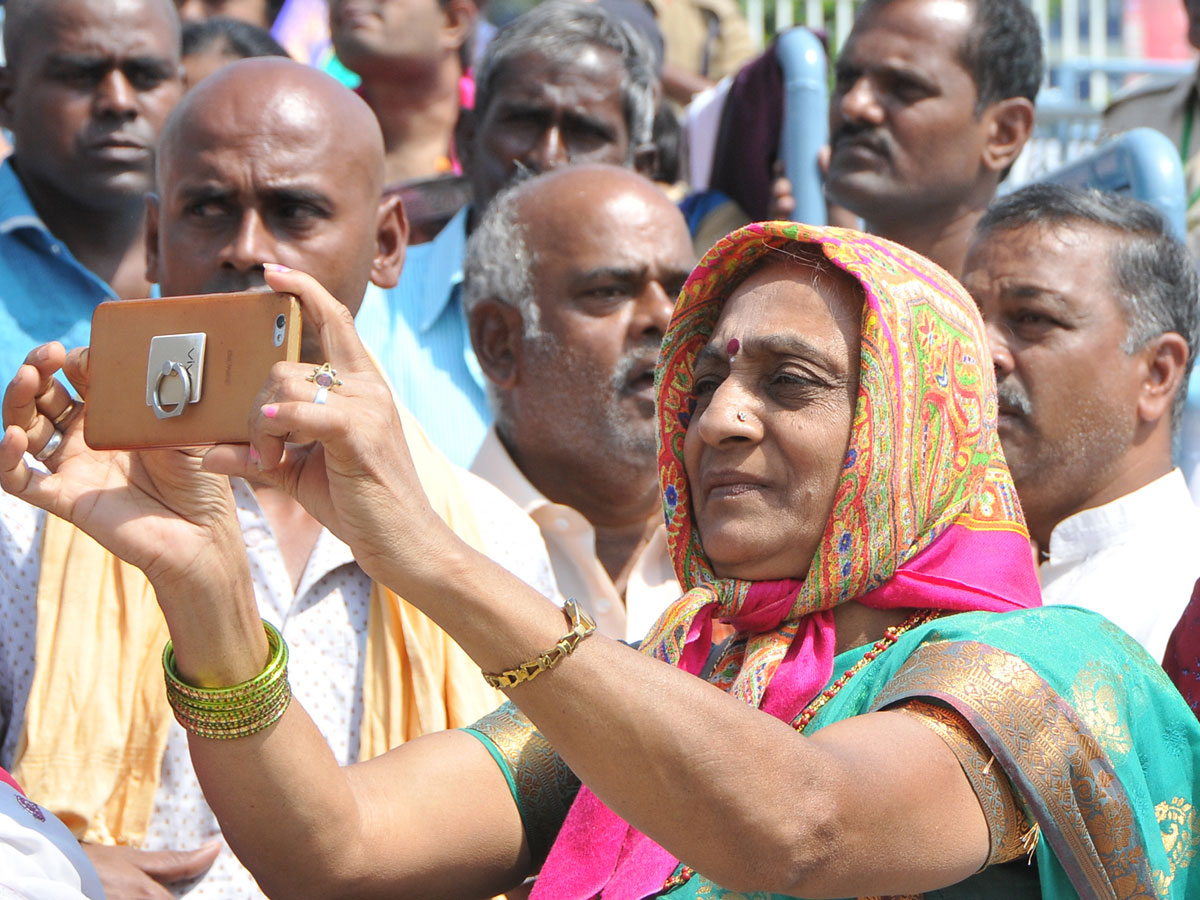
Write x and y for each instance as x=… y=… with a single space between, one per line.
x=775 y=393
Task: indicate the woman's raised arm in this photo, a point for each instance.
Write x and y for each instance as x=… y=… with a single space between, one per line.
x=304 y=826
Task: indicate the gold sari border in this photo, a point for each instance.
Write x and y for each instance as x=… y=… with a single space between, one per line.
x=1059 y=769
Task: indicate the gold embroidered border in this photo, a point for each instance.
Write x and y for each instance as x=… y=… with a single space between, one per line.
x=546 y=787
x=1005 y=822
x=1054 y=762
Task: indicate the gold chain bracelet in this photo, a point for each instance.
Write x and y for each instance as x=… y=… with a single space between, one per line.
x=236 y=711
x=582 y=625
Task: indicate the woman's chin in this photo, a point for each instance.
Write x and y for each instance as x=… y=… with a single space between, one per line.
x=751 y=565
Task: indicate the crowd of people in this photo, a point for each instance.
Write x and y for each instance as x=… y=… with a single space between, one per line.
x=858 y=552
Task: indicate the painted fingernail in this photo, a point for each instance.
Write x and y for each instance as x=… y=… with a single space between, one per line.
x=254 y=457
x=275 y=267
x=270 y=410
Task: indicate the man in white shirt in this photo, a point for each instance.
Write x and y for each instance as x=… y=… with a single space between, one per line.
x=266 y=162
x=1091 y=308
x=571 y=278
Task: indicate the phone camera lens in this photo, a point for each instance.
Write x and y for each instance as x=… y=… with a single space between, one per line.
x=280 y=321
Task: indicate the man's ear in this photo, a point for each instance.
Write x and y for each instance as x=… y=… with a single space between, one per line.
x=459 y=17
x=1166 y=360
x=497 y=336
x=1009 y=124
x=152 y=238
x=391 y=240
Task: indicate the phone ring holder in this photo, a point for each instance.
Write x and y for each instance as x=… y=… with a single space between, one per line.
x=185 y=382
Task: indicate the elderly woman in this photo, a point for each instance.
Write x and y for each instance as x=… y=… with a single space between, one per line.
x=834 y=489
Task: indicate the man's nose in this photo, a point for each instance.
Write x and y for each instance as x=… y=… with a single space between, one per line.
x=860 y=103
x=652 y=310
x=998 y=343
x=115 y=96
x=250 y=245
x=550 y=151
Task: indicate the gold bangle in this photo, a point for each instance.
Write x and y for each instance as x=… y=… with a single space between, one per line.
x=236 y=711
x=582 y=625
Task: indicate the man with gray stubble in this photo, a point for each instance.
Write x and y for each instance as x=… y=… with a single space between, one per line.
x=571 y=278
x=1091 y=311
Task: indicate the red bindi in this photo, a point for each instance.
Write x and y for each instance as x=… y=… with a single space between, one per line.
x=732 y=347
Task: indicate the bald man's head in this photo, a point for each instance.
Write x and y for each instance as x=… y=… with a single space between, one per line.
x=278 y=99
x=268 y=160
x=570 y=279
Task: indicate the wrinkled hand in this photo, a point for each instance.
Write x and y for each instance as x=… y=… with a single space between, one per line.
x=129 y=874
x=345 y=460
x=156 y=509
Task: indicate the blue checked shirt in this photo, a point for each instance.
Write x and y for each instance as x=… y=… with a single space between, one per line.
x=418 y=332
x=45 y=293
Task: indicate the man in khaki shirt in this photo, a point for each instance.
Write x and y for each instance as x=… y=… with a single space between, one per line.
x=570 y=280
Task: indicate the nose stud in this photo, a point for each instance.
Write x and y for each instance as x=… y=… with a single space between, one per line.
x=741 y=416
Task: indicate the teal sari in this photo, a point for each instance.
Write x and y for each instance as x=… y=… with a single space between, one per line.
x=1100 y=749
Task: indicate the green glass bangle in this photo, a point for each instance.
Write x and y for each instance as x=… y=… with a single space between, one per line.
x=236 y=711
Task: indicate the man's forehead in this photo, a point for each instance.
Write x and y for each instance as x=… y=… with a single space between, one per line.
x=624 y=232
x=932 y=23
x=1052 y=259
x=591 y=75
x=115 y=29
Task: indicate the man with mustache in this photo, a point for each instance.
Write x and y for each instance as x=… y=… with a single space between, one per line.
x=86 y=88
x=932 y=103
x=1091 y=308
x=570 y=281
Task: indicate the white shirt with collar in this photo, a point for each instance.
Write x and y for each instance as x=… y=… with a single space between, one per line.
x=571 y=542
x=1134 y=560
x=323 y=620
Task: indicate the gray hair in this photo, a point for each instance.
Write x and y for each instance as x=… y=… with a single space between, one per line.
x=1153 y=276
x=558 y=30
x=498 y=259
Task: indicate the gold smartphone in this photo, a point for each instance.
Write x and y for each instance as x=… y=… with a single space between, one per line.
x=183 y=371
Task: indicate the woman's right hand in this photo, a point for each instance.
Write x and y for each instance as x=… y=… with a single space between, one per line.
x=156 y=509
x=346 y=460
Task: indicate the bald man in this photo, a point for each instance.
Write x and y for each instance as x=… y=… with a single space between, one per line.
x=87 y=86
x=265 y=162
x=570 y=282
